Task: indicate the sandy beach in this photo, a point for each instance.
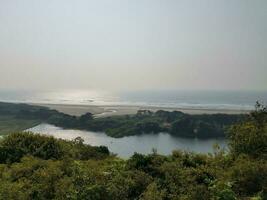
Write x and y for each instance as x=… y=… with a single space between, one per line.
x=104 y=111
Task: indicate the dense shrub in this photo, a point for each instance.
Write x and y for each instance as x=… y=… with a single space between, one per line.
x=14 y=146
x=40 y=167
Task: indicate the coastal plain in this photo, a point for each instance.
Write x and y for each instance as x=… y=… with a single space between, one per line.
x=113 y=110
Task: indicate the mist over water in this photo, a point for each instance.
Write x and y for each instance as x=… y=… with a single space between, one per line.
x=233 y=100
x=236 y=100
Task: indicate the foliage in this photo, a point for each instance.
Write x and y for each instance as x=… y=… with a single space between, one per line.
x=145 y=121
x=11 y=124
x=250 y=136
x=14 y=146
x=41 y=167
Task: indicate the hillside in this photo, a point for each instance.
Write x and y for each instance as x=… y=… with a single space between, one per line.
x=18 y=117
x=40 y=167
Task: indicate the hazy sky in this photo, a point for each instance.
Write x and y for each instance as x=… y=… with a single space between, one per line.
x=133 y=44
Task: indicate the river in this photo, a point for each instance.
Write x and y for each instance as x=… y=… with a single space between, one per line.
x=124 y=147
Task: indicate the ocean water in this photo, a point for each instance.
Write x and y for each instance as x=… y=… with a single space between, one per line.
x=233 y=100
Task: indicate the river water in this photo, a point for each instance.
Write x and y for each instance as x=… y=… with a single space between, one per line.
x=124 y=147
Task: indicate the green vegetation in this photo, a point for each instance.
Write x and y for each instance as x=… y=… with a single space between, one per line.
x=10 y=124
x=175 y=123
x=19 y=117
x=40 y=167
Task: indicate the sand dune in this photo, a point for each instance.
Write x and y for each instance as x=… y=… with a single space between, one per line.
x=103 y=111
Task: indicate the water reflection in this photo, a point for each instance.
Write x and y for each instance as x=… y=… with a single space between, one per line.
x=126 y=146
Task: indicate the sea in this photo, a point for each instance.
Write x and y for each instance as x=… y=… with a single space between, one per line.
x=230 y=100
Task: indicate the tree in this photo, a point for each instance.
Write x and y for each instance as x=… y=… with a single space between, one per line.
x=250 y=137
x=84 y=119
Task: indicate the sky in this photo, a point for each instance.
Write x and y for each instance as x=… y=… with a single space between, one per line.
x=133 y=44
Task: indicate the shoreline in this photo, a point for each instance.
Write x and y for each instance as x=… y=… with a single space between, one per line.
x=114 y=110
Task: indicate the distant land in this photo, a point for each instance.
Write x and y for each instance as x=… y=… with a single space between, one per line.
x=114 y=110
x=17 y=117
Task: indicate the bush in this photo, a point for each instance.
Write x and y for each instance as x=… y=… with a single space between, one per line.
x=14 y=146
x=41 y=167
x=250 y=136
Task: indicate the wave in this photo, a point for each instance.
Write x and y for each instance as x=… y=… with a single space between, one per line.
x=193 y=100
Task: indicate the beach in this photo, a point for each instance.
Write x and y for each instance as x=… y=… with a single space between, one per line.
x=102 y=105
x=113 y=110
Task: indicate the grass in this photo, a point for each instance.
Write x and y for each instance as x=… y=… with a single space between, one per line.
x=9 y=124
